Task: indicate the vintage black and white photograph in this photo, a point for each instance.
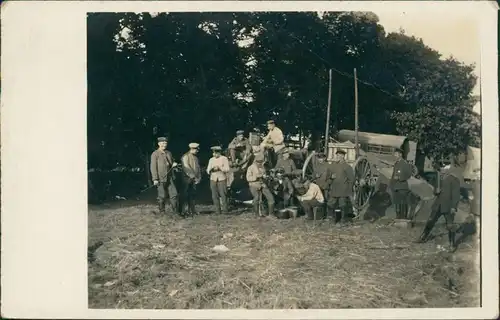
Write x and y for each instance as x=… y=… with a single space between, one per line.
x=283 y=160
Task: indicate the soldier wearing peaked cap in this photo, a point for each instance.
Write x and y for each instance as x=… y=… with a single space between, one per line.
x=340 y=190
x=218 y=168
x=240 y=149
x=322 y=174
x=161 y=166
x=446 y=204
x=399 y=185
x=255 y=177
x=191 y=178
x=274 y=141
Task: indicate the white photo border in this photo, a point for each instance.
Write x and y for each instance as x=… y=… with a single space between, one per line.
x=44 y=152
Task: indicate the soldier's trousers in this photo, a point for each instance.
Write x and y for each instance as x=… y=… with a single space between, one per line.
x=337 y=207
x=257 y=193
x=401 y=200
x=436 y=213
x=188 y=195
x=169 y=188
x=308 y=206
x=219 y=195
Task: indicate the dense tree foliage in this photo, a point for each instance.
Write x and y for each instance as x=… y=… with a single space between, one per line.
x=201 y=76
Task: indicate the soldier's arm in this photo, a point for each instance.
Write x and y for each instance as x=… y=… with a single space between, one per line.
x=154 y=166
x=294 y=167
x=454 y=184
x=251 y=175
x=210 y=166
x=278 y=137
x=232 y=145
x=405 y=172
x=188 y=170
x=349 y=171
x=225 y=165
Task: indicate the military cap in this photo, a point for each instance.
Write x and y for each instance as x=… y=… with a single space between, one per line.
x=240 y=132
x=340 y=151
x=270 y=122
x=216 y=148
x=321 y=155
x=194 y=145
x=162 y=139
x=259 y=157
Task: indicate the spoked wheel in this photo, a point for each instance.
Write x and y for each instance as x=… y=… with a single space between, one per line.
x=309 y=165
x=365 y=180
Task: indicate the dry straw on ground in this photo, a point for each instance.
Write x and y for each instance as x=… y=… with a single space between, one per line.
x=167 y=263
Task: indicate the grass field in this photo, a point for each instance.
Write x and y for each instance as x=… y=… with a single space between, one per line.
x=168 y=263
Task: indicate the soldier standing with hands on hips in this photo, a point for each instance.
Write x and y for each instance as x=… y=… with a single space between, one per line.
x=191 y=177
x=218 y=167
x=399 y=185
x=161 y=167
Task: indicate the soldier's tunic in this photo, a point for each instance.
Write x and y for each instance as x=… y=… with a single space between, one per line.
x=258 y=188
x=240 y=146
x=289 y=168
x=217 y=169
x=323 y=177
x=191 y=178
x=276 y=140
x=160 y=167
x=342 y=182
x=400 y=188
x=446 y=204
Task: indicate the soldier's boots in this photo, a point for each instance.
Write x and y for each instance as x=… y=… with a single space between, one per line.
x=161 y=207
x=270 y=209
x=425 y=234
x=451 y=239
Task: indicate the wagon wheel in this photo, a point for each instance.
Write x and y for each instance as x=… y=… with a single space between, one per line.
x=308 y=168
x=365 y=179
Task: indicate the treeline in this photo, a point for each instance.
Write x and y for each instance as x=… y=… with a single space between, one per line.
x=201 y=76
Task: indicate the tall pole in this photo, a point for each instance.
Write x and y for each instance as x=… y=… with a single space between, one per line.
x=356 y=127
x=327 y=131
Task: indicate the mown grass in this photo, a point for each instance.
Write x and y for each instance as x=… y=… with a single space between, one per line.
x=168 y=263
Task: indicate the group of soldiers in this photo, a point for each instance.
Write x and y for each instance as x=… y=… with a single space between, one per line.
x=330 y=187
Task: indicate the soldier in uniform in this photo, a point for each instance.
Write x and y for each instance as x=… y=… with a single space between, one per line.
x=323 y=174
x=274 y=140
x=191 y=177
x=311 y=199
x=240 y=145
x=218 y=167
x=446 y=203
x=340 y=188
x=399 y=185
x=161 y=167
x=289 y=169
x=255 y=175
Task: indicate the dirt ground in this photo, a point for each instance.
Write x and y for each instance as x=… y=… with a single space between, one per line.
x=168 y=263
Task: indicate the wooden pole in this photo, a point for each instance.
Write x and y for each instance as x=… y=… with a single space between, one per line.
x=327 y=131
x=356 y=127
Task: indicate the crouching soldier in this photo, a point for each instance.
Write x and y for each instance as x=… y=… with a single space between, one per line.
x=313 y=198
x=255 y=175
x=161 y=167
x=399 y=185
x=340 y=188
x=446 y=203
x=218 y=167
